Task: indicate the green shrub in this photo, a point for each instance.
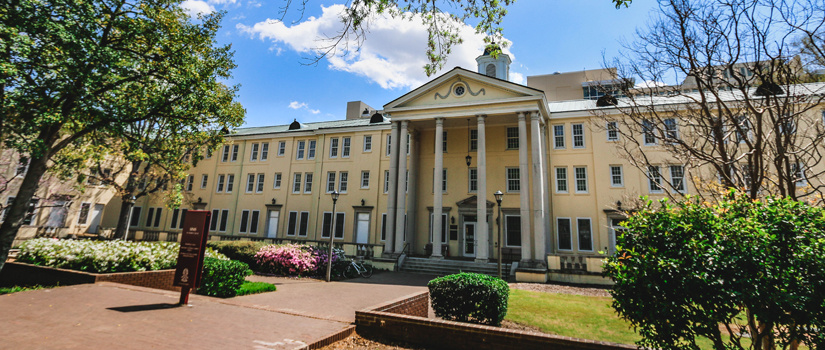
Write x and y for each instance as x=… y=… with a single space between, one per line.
x=222 y=278
x=243 y=251
x=470 y=297
x=249 y=287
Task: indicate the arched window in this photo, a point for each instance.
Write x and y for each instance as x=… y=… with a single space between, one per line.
x=491 y=70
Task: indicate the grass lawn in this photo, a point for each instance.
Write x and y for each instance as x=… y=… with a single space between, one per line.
x=572 y=316
x=249 y=287
x=15 y=289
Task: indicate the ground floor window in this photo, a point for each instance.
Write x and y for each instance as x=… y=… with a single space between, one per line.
x=512 y=227
x=327 y=225
x=585 y=234
x=444 y=231
x=563 y=231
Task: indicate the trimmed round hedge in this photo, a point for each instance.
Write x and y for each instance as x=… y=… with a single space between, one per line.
x=470 y=297
x=222 y=278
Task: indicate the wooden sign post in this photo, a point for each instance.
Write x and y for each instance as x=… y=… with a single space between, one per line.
x=192 y=249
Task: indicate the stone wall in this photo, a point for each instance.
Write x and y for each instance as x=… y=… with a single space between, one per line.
x=15 y=273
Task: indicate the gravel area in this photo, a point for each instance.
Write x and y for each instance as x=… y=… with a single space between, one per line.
x=356 y=342
x=555 y=288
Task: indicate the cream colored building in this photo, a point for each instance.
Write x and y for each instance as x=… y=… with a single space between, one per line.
x=431 y=158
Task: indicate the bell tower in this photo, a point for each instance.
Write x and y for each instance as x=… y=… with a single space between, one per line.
x=496 y=67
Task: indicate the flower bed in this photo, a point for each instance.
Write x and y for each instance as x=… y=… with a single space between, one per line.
x=295 y=259
x=102 y=256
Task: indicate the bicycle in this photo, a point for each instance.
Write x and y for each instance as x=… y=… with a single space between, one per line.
x=354 y=269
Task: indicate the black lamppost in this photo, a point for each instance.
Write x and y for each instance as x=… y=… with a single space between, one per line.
x=499 y=197
x=335 y=195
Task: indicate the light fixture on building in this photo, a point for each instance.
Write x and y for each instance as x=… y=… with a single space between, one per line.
x=619 y=205
x=273 y=201
x=468 y=158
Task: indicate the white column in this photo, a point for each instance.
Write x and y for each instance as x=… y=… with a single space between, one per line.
x=412 y=191
x=482 y=241
x=538 y=189
x=392 y=190
x=401 y=204
x=437 y=193
x=524 y=196
x=545 y=176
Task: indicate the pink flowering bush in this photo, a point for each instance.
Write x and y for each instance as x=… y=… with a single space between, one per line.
x=294 y=259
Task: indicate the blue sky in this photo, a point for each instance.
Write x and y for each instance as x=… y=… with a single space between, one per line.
x=275 y=87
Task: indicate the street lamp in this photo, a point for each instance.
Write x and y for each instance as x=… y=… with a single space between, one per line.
x=334 y=195
x=129 y=220
x=499 y=197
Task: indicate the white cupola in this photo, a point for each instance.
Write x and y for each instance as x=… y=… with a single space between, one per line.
x=494 y=67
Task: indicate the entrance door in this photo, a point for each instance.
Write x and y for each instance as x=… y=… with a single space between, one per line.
x=362 y=228
x=469 y=239
x=272 y=224
x=613 y=231
x=97 y=213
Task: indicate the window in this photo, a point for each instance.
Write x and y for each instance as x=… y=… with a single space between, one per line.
x=244 y=221
x=585 y=234
x=564 y=232
x=473 y=180
x=296 y=183
x=578 y=135
x=152 y=217
x=558 y=136
x=444 y=225
x=654 y=178
x=83 y=216
x=677 y=178
x=367 y=143
x=365 y=179
x=213 y=225
x=443 y=181
x=253 y=224
x=408 y=143
x=512 y=138
x=221 y=179
x=798 y=173
x=292 y=223
x=333 y=147
x=225 y=156
x=134 y=218
x=250 y=183
x=581 y=179
x=304 y=228
x=264 y=151
x=474 y=139
x=386 y=181
x=346 y=146
x=190 y=182
x=561 y=180
x=158 y=211
x=281 y=148
x=743 y=131
x=342 y=181
x=311 y=153
x=254 y=154
x=389 y=144
x=230 y=182
x=616 y=177
x=259 y=187
x=512 y=229
x=406 y=181
x=671 y=129
x=208 y=154
x=612 y=131
x=277 y=183
x=307 y=182
x=299 y=153
x=224 y=220
x=384 y=226
x=234 y=152
x=647 y=130
x=788 y=126
x=330 y=182
x=175 y=213
x=327 y=225
x=443 y=142
x=204 y=180
x=513 y=180
x=22 y=166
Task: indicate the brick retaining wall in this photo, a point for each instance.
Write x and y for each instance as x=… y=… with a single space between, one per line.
x=410 y=326
x=15 y=273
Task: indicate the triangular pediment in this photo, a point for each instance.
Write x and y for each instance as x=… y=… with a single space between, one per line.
x=472 y=202
x=461 y=86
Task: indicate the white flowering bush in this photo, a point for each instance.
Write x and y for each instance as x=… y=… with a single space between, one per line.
x=103 y=256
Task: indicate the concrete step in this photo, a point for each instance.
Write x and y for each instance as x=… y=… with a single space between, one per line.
x=448 y=267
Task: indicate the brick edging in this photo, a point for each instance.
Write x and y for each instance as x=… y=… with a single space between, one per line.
x=17 y=273
x=332 y=338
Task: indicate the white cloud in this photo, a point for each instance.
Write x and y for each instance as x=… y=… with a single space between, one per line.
x=393 y=54
x=518 y=78
x=297 y=105
x=195 y=7
x=314 y=111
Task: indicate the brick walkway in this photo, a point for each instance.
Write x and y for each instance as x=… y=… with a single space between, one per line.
x=108 y=315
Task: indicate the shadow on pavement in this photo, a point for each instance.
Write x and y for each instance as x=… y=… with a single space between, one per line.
x=147 y=307
x=394 y=278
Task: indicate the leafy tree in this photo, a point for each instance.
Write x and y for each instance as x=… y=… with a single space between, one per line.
x=719 y=91
x=70 y=69
x=753 y=270
x=442 y=25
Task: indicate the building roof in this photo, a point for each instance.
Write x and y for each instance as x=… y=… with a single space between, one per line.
x=682 y=98
x=258 y=130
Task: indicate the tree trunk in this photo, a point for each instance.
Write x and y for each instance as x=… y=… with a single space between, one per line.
x=17 y=210
x=127 y=203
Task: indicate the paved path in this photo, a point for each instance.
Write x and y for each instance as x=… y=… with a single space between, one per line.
x=108 y=315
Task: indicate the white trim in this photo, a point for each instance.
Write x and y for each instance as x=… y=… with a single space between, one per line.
x=505 y=230
x=573 y=136
x=297 y=223
x=570 y=220
x=241 y=223
x=576 y=180
x=566 y=179
x=621 y=176
x=578 y=242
